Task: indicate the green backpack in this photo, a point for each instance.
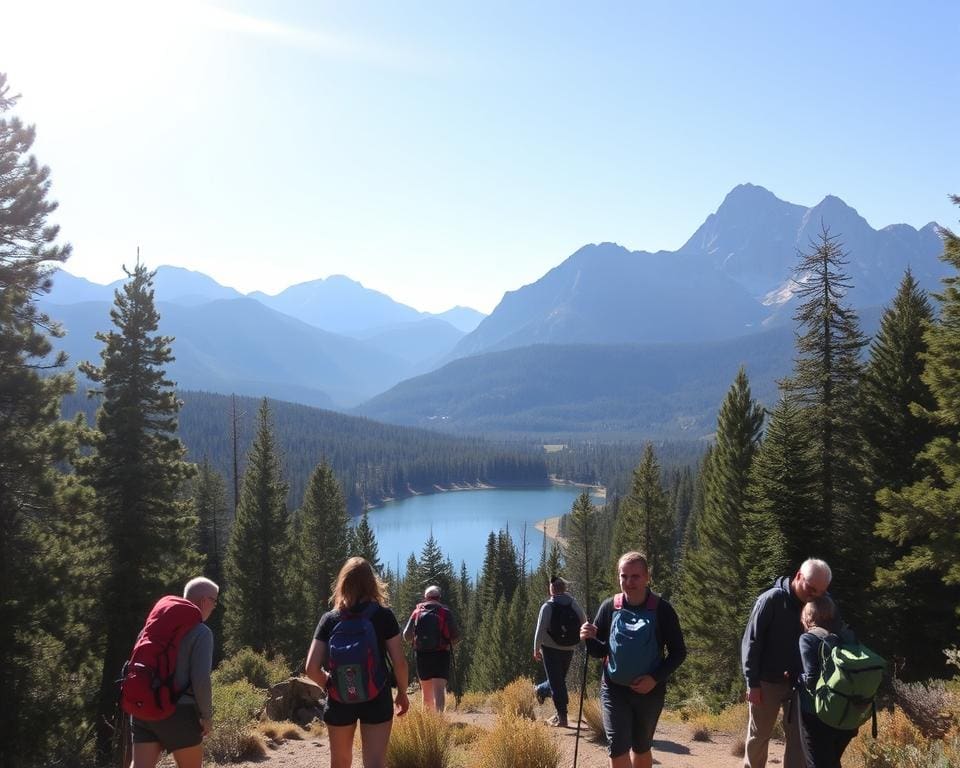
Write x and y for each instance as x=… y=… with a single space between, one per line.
x=850 y=675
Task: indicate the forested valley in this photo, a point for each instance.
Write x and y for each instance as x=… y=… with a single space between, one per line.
x=858 y=463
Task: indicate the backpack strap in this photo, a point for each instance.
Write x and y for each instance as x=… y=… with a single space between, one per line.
x=618 y=600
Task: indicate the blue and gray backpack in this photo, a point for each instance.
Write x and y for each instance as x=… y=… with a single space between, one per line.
x=357 y=669
x=634 y=642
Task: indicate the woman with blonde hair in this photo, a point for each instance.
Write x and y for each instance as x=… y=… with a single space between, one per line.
x=352 y=641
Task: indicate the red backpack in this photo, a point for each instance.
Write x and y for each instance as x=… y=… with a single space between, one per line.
x=146 y=687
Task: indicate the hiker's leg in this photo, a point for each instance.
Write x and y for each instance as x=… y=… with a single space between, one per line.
x=341 y=744
x=556 y=663
x=374 y=740
x=615 y=709
x=439 y=693
x=793 y=749
x=189 y=757
x=426 y=688
x=760 y=722
x=646 y=709
x=146 y=754
x=641 y=759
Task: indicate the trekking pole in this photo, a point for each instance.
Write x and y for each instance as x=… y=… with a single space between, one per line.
x=586 y=655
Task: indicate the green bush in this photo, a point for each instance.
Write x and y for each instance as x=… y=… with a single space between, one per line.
x=233 y=738
x=255 y=668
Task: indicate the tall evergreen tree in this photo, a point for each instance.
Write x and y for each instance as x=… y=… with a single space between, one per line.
x=213 y=529
x=782 y=515
x=47 y=545
x=924 y=517
x=138 y=471
x=322 y=544
x=586 y=564
x=825 y=384
x=258 y=557
x=363 y=543
x=434 y=568
x=645 y=523
x=714 y=618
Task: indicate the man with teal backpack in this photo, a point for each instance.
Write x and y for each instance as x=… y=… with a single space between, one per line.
x=839 y=681
x=631 y=632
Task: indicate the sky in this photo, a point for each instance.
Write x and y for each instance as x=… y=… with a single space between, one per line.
x=446 y=152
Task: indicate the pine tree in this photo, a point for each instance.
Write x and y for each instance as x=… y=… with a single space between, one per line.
x=714 y=619
x=782 y=515
x=210 y=503
x=825 y=385
x=645 y=523
x=257 y=611
x=48 y=545
x=322 y=544
x=363 y=543
x=585 y=563
x=924 y=517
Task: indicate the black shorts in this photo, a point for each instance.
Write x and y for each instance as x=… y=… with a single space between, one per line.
x=374 y=712
x=179 y=731
x=629 y=719
x=431 y=664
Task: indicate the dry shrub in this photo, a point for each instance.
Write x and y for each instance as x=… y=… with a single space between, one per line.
x=292 y=732
x=516 y=700
x=234 y=737
x=419 y=739
x=928 y=705
x=465 y=733
x=699 y=730
x=901 y=744
x=472 y=702
x=594 y=721
x=519 y=743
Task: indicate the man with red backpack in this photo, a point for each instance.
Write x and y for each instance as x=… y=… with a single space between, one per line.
x=166 y=683
x=433 y=631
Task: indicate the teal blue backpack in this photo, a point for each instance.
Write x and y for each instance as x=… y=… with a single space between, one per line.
x=634 y=640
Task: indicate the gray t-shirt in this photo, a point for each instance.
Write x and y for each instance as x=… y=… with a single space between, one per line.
x=194 y=662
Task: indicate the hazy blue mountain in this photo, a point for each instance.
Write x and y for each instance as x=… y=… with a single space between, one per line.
x=462 y=318
x=606 y=294
x=239 y=345
x=733 y=276
x=421 y=342
x=656 y=390
x=340 y=305
x=172 y=284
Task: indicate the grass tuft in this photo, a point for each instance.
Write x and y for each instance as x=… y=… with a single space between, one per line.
x=472 y=702
x=519 y=743
x=420 y=739
x=593 y=719
x=516 y=700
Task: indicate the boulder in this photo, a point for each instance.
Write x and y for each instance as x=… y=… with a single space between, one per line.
x=298 y=699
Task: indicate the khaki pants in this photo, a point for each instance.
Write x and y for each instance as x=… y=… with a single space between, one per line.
x=761 y=722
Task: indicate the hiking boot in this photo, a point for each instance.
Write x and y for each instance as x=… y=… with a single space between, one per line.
x=540 y=696
x=558 y=721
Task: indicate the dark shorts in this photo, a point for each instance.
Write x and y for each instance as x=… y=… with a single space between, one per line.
x=431 y=664
x=630 y=719
x=179 y=731
x=379 y=710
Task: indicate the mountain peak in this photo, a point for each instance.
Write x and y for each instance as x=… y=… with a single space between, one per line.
x=747 y=196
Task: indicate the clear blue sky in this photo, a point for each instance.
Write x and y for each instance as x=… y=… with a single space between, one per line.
x=446 y=152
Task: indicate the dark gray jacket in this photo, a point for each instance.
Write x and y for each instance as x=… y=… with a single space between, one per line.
x=771 y=641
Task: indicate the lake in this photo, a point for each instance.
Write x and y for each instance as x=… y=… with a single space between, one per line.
x=462 y=520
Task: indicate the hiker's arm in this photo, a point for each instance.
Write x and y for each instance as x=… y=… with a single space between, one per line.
x=597 y=638
x=810 y=658
x=672 y=639
x=400 y=672
x=201 y=662
x=408 y=630
x=543 y=620
x=751 y=647
x=316 y=657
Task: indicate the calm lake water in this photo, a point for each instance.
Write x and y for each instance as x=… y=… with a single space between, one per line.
x=462 y=520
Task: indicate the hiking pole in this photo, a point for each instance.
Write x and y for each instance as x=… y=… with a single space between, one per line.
x=586 y=655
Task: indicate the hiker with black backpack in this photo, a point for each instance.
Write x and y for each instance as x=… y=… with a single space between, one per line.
x=838 y=684
x=166 y=683
x=770 y=656
x=433 y=631
x=637 y=633
x=353 y=641
x=556 y=637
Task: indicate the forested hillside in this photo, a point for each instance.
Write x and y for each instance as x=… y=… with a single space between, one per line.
x=372 y=461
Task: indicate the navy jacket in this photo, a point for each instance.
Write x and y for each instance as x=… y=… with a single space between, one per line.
x=770 y=650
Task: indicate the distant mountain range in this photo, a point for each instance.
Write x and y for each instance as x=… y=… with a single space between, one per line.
x=610 y=340
x=731 y=278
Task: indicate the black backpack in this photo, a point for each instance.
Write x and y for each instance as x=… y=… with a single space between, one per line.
x=430 y=628
x=564 y=626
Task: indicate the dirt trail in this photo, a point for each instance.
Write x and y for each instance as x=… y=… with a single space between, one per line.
x=673 y=748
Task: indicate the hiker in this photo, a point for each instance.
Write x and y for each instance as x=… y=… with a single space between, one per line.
x=557 y=634
x=181 y=733
x=822 y=744
x=433 y=631
x=353 y=641
x=770 y=653
x=630 y=632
